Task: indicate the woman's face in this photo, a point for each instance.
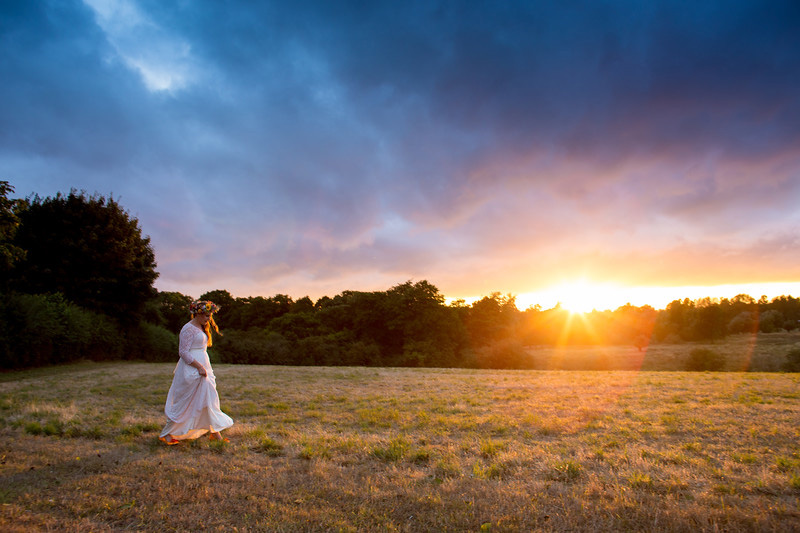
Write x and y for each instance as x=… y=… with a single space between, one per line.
x=203 y=318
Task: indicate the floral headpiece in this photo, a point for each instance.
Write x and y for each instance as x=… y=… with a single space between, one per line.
x=203 y=306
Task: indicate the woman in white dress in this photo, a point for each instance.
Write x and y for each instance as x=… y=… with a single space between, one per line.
x=192 y=407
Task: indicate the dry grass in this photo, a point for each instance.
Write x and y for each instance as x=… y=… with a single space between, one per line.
x=365 y=449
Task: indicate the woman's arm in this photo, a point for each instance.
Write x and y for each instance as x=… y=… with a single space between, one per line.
x=185 y=345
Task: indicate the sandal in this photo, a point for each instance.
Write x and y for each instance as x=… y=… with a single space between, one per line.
x=170 y=442
x=217 y=436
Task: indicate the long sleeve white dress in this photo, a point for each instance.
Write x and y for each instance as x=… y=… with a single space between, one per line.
x=192 y=407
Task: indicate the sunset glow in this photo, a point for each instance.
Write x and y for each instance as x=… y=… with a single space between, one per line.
x=583 y=296
x=579 y=296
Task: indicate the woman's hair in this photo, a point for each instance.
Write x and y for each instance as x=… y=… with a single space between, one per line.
x=209 y=307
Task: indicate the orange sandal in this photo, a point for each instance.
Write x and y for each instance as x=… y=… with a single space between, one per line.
x=170 y=442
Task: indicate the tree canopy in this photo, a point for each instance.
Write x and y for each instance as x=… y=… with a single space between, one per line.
x=10 y=254
x=87 y=248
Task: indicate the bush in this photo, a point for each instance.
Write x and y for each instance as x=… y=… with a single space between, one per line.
x=703 y=359
x=770 y=321
x=507 y=353
x=336 y=349
x=45 y=329
x=744 y=322
x=792 y=363
x=253 y=347
x=33 y=329
x=153 y=343
x=107 y=342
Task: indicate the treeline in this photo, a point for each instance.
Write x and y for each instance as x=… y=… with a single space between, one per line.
x=77 y=283
x=411 y=325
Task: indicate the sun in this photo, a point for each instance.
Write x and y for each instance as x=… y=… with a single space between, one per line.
x=582 y=296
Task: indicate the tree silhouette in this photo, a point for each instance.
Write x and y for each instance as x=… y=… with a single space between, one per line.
x=10 y=254
x=89 y=249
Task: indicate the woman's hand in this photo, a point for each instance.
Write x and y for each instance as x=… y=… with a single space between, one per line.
x=200 y=368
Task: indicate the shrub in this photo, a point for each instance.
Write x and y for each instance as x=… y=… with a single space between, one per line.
x=770 y=321
x=45 y=329
x=703 y=359
x=507 y=353
x=253 y=347
x=792 y=363
x=153 y=343
x=107 y=342
x=744 y=322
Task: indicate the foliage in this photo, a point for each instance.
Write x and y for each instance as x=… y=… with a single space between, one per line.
x=503 y=353
x=744 y=322
x=770 y=321
x=10 y=253
x=792 y=363
x=703 y=359
x=174 y=309
x=258 y=347
x=47 y=329
x=410 y=325
x=492 y=318
x=154 y=343
x=87 y=248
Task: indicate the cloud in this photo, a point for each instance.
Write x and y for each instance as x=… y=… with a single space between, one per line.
x=163 y=60
x=309 y=145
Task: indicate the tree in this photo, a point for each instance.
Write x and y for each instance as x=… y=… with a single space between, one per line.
x=10 y=254
x=492 y=318
x=220 y=297
x=431 y=333
x=303 y=305
x=174 y=308
x=770 y=321
x=89 y=249
x=255 y=312
x=707 y=322
x=744 y=322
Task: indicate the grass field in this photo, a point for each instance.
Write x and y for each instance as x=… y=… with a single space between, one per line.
x=366 y=449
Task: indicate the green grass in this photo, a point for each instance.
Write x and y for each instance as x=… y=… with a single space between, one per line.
x=366 y=449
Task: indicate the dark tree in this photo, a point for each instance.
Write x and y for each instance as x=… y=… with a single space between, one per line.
x=303 y=305
x=10 y=254
x=174 y=309
x=430 y=332
x=256 y=312
x=492 y=318
x=220 y=297
x=89 y=249
x=708 y=322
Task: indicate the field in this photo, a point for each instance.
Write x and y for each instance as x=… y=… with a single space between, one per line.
x=366 y=449
x=756 y=353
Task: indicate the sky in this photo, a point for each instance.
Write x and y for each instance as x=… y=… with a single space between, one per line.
x=614 y=150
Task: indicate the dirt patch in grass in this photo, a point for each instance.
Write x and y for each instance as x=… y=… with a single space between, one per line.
x=365 y=449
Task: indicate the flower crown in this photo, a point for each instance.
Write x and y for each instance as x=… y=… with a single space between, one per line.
x=203 y=306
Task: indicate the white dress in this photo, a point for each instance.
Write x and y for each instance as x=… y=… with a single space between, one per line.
x=192 y=407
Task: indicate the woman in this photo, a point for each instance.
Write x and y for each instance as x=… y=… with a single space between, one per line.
x=192 y=402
